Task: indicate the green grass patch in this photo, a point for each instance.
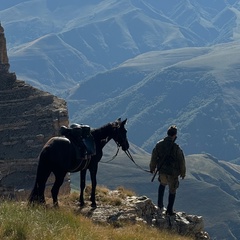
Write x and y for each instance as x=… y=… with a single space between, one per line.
x=18 y=221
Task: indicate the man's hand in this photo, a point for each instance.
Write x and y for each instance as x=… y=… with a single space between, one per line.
x=182 y=176
x=153 y=171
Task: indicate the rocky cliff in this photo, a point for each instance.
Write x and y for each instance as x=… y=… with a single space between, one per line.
x=133 y=209
x=28 y=118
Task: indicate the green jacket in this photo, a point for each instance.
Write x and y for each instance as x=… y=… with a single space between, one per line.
x=173 y=164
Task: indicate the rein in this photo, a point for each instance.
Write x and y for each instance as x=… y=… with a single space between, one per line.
x=129 y=155
x=113 y=156
x=131 y=158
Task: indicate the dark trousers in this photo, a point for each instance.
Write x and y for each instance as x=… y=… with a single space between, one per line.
x=171 y=199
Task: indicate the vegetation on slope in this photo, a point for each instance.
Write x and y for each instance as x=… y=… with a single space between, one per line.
x=18 y=221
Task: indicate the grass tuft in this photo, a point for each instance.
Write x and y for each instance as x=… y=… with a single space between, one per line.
x=18 y=221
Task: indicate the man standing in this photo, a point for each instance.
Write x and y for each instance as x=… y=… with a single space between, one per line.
x=168 y=159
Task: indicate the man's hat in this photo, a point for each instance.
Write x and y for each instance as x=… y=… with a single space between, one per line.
x=172 y=130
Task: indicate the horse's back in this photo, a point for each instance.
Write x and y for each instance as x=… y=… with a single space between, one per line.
x=60 y=153
x=57 y=141
x=57 y=150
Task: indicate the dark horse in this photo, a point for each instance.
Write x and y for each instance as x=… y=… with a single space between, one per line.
x=102 y=136
x=59 y=157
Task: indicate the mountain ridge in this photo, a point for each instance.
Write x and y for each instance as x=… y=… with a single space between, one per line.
x=90 y=30
x=202 y=93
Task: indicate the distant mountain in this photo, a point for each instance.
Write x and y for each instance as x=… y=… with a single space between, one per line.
x=211 y=188
x=98 y=35
x=55 y=58
x=156 y=63
x=195 y=88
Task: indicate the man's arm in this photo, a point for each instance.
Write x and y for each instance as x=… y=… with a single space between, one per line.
x=153 y=162
x=182 y=163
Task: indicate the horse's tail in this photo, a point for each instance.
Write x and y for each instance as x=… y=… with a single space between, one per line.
x=43 y=172
x=34 y=196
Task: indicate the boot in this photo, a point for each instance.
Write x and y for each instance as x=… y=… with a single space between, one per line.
x=161 y=190
x=171 y=199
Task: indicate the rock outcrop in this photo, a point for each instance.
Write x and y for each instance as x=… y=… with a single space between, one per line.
x=29 y=117
x=141 y=209
x=4 y=65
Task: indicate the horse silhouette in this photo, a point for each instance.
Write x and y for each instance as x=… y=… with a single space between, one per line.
x=102 y=136
x=58 y=156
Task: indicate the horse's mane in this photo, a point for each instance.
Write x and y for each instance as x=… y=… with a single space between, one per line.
x=102 y=127
x=102 y=132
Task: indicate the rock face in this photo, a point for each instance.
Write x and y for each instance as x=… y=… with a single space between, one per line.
x=134 y=209
x=29 y=117
x=4 y=65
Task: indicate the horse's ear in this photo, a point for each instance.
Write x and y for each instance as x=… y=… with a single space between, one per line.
x=124 y=122
x=118 y=122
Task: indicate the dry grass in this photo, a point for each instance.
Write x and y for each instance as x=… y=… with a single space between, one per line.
x=21 y=222
x=103 y=195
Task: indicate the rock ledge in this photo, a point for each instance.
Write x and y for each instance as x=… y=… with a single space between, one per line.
x=141 y=209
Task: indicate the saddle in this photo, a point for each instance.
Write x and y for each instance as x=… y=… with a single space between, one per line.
x=81 y=138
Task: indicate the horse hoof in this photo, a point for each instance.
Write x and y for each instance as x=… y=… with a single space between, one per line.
x=93 y=205
x=55 y=205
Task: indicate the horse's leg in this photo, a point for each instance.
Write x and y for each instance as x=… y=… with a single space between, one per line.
x=41 y=184
x=93 y=175
x=59 y=178
x=82 y=186
x=37 y=194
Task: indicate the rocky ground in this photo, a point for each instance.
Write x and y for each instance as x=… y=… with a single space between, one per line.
x=118 y=207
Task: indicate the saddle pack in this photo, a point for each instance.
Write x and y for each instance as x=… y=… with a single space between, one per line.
x=81 y=138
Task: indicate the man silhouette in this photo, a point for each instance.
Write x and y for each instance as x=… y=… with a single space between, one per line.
x=168 y=159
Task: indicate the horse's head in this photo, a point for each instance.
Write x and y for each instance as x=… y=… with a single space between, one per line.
x=120 y=134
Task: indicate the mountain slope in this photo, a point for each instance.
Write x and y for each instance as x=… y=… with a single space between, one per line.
x=107 y=33
x=59 y=46
x=198 y=91
x=56 y=59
